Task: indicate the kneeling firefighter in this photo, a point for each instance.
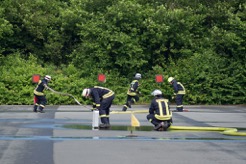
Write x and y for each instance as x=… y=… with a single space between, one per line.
x=160 y=114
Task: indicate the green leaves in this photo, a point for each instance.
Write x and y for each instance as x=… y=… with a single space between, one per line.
x=202 y=43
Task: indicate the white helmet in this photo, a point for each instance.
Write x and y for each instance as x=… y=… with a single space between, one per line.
x=170 y=79
x=138 y=76
x=47 y=77
x=156 y=92
x=86 y=92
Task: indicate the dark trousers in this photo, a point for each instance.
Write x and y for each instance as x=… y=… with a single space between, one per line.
x=165 y=124
x=39 y=101
x=131 y=100
x=104 y=109
x=179 y=102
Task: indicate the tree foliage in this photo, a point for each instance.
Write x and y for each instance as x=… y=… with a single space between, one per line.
x=201 y=43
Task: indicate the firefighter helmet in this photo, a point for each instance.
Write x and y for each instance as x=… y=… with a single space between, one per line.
x=47 y=77
x=170 y=79
x=86 y=92
x=156 y=92
x=138 y=76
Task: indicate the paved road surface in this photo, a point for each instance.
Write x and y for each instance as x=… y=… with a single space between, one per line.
x=35 y=138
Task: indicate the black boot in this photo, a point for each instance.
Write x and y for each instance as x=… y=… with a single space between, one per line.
x=35 y=108
x=108 y=122
x=105 y=123
x=124 y=108
x=41 y=109
x=166 y=125
x=159 y=126
x=179 y=109
x=129 y=104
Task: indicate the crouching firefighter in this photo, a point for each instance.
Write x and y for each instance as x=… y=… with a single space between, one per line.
x=39 y=96
x=160 y=114
x=102 y=100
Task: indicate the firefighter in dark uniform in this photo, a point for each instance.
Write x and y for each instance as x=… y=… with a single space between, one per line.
x=132 y=93
x=102 y=100
x=160 y=114
x=39 y=96
x=179 y=92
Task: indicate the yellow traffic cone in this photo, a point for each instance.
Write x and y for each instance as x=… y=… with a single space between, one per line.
x=134 y=121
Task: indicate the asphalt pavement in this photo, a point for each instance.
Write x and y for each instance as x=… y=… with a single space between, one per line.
x=64 y=135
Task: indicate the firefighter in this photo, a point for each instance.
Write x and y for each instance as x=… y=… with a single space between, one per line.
x=160 y=114
x=132 y=93
x=39 y=96
x=179 y=92
x=102 y=100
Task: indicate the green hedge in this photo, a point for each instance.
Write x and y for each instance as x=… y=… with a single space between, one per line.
x=208 y=79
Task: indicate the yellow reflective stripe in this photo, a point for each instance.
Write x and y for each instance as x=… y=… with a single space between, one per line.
x=168 y=116
x=167 y=110
x=160 y=106
x=131 y=93
x=42 y=106
x=111 y=93
x=162 y=117
x=179 y=106
x=181 y=92
x=97 y=105
x=38 y=93
x=103 y=115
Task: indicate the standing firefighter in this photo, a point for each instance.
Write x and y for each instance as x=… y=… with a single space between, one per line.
x=39 y=96
x=179 y=92
x=159 y=112
x=132 y=93
x=102 y=100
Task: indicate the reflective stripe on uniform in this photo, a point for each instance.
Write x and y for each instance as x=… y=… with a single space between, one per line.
x=183 y=91
x=42 y=105
x=103 y=115
x=111 y=93
x=38 y=93
x=131 y=93
x=168 y=115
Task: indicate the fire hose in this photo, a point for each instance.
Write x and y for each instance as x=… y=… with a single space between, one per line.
x=66 y=94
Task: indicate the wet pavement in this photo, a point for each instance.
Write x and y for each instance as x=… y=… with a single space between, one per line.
x=64 y=135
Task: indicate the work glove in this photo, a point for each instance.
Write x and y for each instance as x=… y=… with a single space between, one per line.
x=93 y=109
